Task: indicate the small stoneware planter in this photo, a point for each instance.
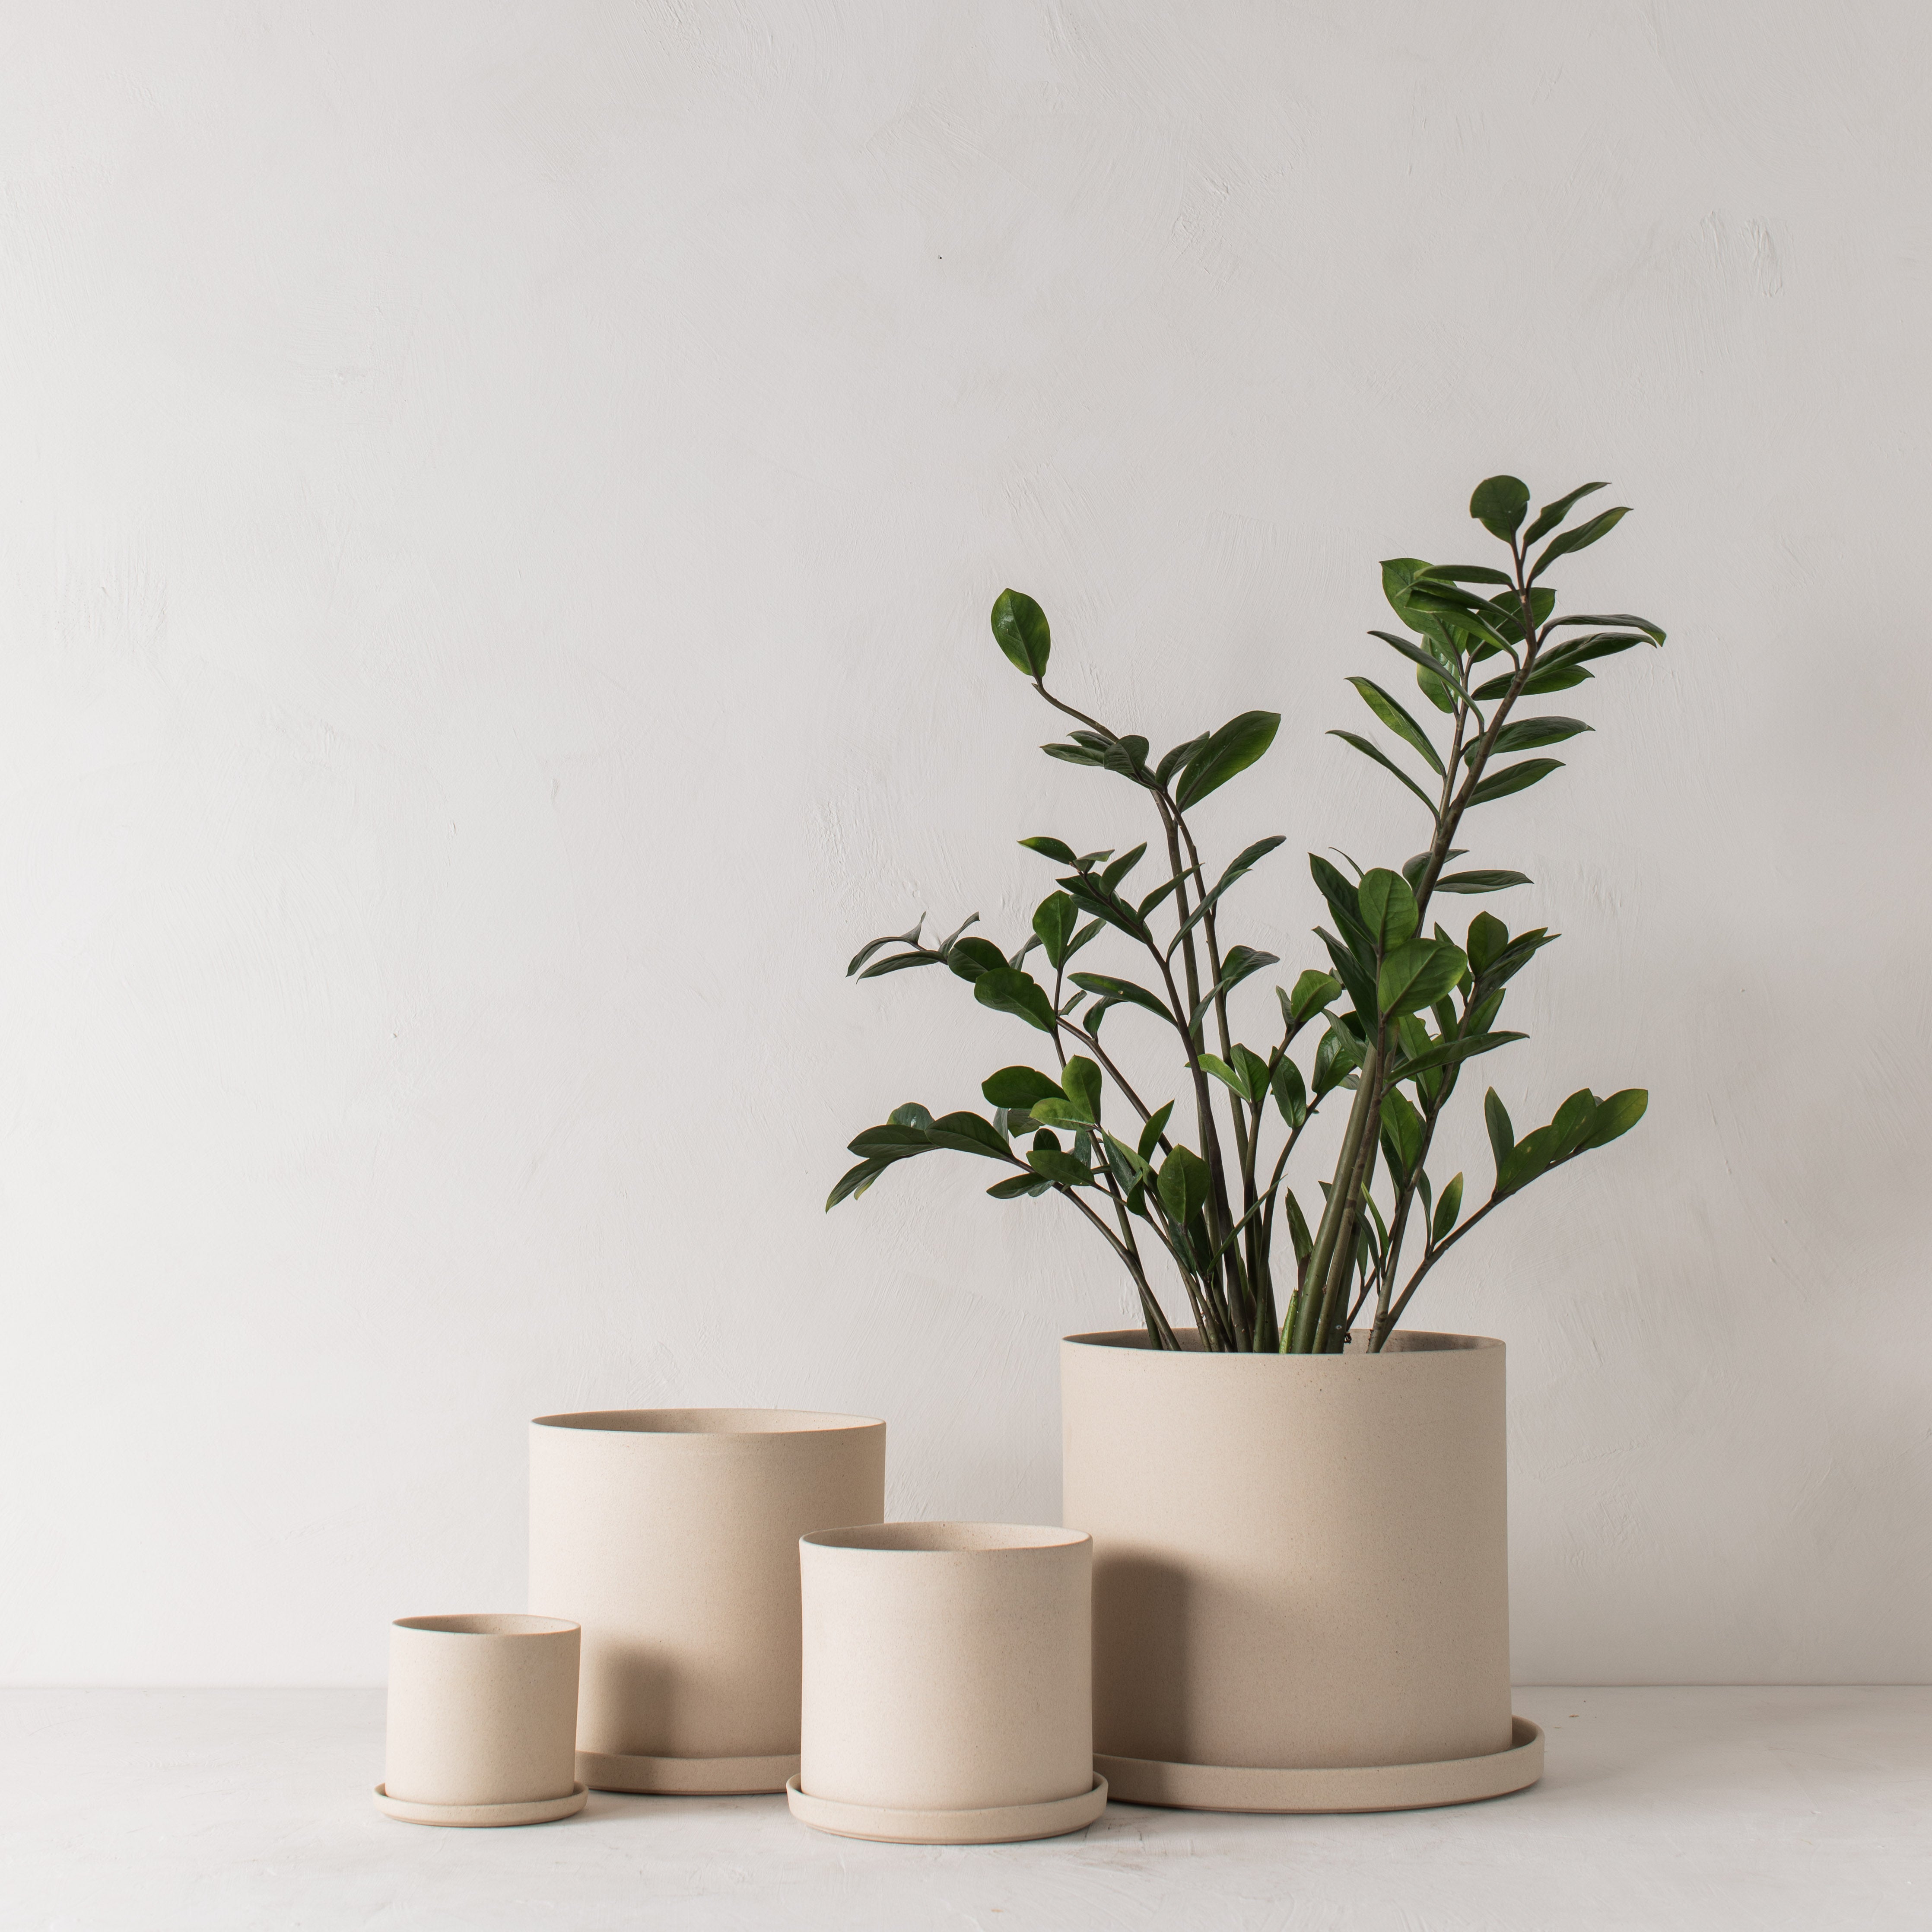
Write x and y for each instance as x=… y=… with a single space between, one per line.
x=948 y=1693
x=482 y=1721
x=671 y=1535
x=1301 y=1573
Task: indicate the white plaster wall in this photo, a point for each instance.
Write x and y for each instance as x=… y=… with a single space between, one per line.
x=497 y=512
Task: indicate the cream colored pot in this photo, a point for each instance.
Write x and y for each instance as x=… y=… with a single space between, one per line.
x=1301 y=1573
x=482 y=1721
x=948 y=1691
x=671 y=1535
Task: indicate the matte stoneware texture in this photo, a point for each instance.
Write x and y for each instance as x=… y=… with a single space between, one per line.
x=482 y=1720
x=1263 y=1641
x=671 y=1535
x=948 y=1691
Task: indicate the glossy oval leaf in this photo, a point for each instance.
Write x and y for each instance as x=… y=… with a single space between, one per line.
x=1417 y=974
x=1513 y=779
x=1581 y=538
x=1388 y=908
x=1227 y=752
x=1019 y=1087
x=1551 y=514
x=1007 y=990
x=1398 y=720
x=1617 y=1116
x=1499 y=505
x=1489 y=881
x=1021 y=630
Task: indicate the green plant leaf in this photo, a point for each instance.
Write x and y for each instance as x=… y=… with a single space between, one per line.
x=1127 y=756
x=1254 y=1070
x=1007 y=990
x=1616 y=1116
x=1453 y=1052
x=1160 y=892
x=1368 y=751
x=1156 y=1126
x=1072 y=754
x=1114 y=873
x=1513 y=779
x=1524 y=734
x=1066 y=1170
x=1113 y=990
x=1081 y=1078
x=1551 y=514
x=1062 y=1114
x=1464 y=573
x=1401 y=1134
x=1090 y=896
x=1581 y=538
x=1502 y=1135
x=1019 y=1087
x=1416 y=973
x=1239 y=962
x=1242 y=863
x=910 y=1115
x=968 y=1133
x=1337 y=1057
x=1357 y=979
x=1529 y=1157
x=1541 y=682
x=1572 y=1123
x=1613 y=619
x=1055 y=849
x=1592 y=645
x=872 y=945
x=1388 y=908
x=1447 y=1210
x=1290 y=1095
x=970 y=958
x=1223 y=1073
x=1020 y=629
x=1185 y=1181
x=1020 y=1184
x=1053 y=922
x=1397 y=720
x=894 y=1143
x=1488 y=936
x=855 y=1180
x=1481 y=881
x=1312 y=991
x=1178 y=756
x=1345 y=902
x=1498 y=504
x=1227 y=752
x=1435 y=667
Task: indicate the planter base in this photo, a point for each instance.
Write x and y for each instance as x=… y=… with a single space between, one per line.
x=686 y=1777
x=996 y=1824
x=532 y=1811
x=1380 y=1787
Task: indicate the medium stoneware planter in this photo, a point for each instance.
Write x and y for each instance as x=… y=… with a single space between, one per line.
x=482 y=1721
x=671 y=1535
x=948 y=1694
x=1301 y=1573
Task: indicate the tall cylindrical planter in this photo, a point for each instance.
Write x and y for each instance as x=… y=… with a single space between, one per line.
x=1301 y=1573
x=482 y=1720
x=948 y=1684
x=671 y=1535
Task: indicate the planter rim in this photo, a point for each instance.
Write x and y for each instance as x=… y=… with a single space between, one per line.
x=1404 y=1342
x=717 y=1423
x=527 y=1811
x=488 y=1623
x=947 y=1539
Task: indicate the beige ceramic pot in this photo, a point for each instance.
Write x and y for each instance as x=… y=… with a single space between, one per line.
x=1301 y=1573
x=948 y=1684
x=671 y=1535
x=482 y=1721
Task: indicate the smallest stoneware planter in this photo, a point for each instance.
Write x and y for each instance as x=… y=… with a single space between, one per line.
x=948 y=1684
x=482 y=1721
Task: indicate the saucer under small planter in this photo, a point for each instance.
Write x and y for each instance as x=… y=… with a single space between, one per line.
x=948 y=1685
x=671 y=1535
x=482 y=1721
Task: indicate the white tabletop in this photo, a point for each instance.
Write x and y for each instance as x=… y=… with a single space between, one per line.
x=1704 y=1808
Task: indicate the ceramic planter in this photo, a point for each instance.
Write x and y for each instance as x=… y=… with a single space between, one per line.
x=948 y=1684
x=1301 y=1574
x=482 y=1721
x=671 y=1535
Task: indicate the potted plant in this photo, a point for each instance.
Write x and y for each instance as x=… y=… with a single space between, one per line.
x=1296 y=1505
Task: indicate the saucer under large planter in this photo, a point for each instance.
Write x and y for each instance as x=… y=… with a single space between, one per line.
x=671 y=1535
x=948 y=1692
x=1300 y=1573
x=482 y=1721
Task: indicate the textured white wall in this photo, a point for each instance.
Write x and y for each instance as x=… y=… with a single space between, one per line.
x=499 y=508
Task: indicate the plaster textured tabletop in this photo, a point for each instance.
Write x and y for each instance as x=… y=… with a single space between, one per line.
x=1710 y=1808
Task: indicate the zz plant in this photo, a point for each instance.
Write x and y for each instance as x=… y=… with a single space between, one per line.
x=1404 y=1008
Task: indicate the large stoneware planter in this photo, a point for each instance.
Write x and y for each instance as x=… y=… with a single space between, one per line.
x=1301 y=1574
x=671 y=1535
x=948 y=1684
x=482 y=1721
